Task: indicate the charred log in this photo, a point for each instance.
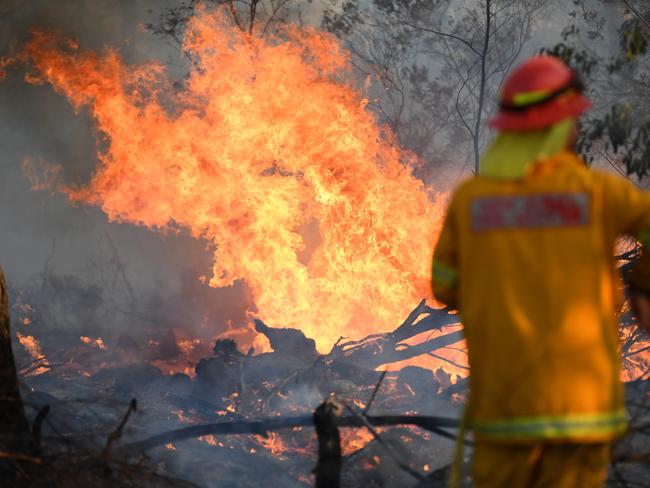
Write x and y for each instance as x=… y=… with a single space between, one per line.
x=419 y=379
x=328 y=469
x=222 y=374
x=227 y=349
x=288 y=341
x=460 y=386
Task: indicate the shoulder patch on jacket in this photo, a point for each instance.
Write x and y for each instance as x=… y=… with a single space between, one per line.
x=530 y=211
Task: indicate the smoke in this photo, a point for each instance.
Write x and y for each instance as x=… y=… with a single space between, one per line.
x=43 y=233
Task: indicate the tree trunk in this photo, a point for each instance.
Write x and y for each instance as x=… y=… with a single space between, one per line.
x=481 y=97
x=14 y=429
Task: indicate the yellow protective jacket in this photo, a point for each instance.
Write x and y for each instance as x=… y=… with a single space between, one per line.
x=529 y=264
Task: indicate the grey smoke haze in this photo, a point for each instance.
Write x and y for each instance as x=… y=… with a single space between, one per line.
x=35 y=121
x=42 y=229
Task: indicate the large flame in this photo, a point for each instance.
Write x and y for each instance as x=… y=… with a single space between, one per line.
x=264 y=148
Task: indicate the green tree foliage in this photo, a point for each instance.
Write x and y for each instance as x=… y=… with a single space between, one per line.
x=619 y=127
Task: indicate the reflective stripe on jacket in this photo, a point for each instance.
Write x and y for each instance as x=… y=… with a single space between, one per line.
x=529 y=264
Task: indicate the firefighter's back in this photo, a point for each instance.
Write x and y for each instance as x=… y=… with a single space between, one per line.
x=537 y=293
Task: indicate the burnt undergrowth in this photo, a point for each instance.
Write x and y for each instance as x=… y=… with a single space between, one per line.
x=209 y=414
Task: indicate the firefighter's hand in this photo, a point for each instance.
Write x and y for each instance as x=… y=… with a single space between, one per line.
x=640 y=302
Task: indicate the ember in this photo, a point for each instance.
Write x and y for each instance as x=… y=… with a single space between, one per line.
x=99 y=343
x=273 y=443
x=31 y=345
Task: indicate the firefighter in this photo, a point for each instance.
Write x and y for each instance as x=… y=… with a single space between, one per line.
x=526 y=256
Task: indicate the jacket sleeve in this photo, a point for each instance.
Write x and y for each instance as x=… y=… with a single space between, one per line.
x=627 y=211
x=444 y=273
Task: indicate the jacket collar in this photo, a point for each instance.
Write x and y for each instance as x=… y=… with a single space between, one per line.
x=513 y=154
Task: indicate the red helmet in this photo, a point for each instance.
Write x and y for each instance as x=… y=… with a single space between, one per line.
x=540 y=92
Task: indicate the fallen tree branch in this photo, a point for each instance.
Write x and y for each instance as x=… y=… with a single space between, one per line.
x=117 y=433
x=376 y=350
x=262 y=426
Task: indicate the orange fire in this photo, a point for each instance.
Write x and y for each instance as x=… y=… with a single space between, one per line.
x=272 y=442
x=5 y=61
x=180 y=415
x=268 y=154
x=636 y=364
x=99 y=342
x=211 y=440
x=354 y=439
x=32 y=346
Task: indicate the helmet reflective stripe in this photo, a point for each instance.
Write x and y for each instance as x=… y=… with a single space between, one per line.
x=535 y=97
x=524 y=99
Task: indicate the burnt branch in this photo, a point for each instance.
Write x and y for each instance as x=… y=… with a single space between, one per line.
x=378 y=349
x=17 y=456
x=383 y=350
x=263 y=426
x=117 y=433
x=233 y=13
